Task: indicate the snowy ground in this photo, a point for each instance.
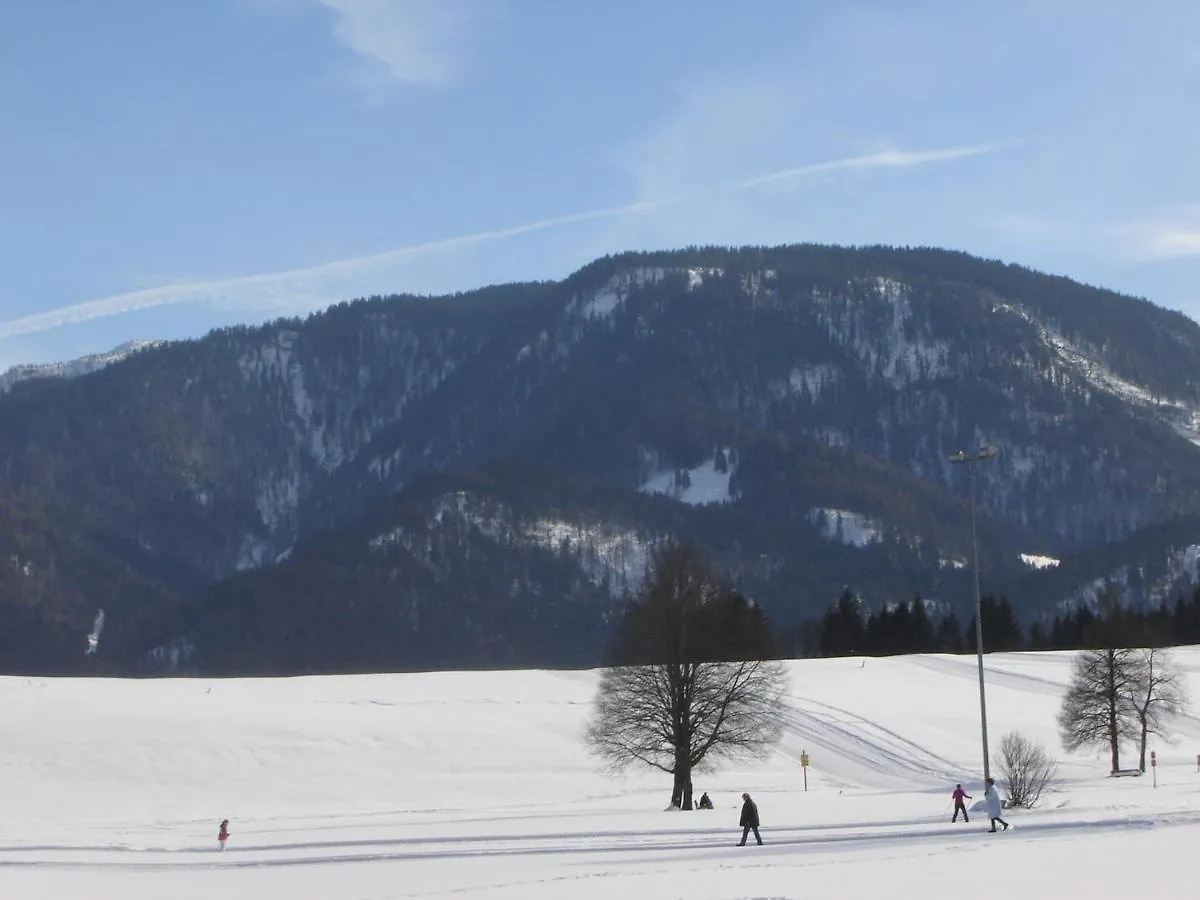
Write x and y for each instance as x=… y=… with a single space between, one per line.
x=475 y=785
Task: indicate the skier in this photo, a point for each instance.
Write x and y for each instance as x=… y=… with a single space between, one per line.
x=223 y=834
x=749 y=820
x=994 y=807
x=959 y=796
x=705 y=801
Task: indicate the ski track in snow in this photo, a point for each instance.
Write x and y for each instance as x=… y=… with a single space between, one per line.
x=641 y=843
x=993 y=674
x=869 y=753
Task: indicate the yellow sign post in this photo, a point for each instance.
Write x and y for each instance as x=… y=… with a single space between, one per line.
x=804 y=768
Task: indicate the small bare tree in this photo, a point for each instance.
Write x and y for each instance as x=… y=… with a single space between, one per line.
x=690 y=681
x=1096 y=710
x=1157 y=695
x=1027 y=769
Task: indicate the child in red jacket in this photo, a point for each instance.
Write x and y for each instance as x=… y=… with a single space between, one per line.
x=959 y=806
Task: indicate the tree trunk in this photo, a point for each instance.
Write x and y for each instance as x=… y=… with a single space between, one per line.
x=1142 y=757
x=681 y=790
x=1114 y=740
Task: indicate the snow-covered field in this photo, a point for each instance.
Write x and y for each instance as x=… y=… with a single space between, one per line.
x=475 y=785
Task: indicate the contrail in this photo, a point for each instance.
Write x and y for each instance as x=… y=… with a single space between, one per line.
x=888 y=159
x=325 y=283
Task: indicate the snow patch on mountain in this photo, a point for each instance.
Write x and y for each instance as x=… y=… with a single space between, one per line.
x=906 y=353
x=76 y=367
x=706 y=483
x=602 y=303
x=696 y=276
x=394 y=537
x=610 y=554
x=1183 y=417
x=1179 y=575
x=605 y=552
x=253 y=554
x=812 y=381
x=277 y=359
x=1039 y=562
x=277 y=497
x=846 y=526
x=174 y=654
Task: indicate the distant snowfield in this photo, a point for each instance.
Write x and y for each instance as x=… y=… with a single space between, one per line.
x=475 y=785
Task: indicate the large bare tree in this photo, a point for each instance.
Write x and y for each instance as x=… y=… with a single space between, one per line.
x=1158 y=695
x=691 y=680
x=1096 y=710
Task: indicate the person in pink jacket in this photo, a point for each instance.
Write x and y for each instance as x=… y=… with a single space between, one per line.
x=960 y=806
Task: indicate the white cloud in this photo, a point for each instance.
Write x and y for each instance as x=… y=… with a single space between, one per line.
x=313 y=287
x=1171 y=234
x=412 y=41
x=1161 y=241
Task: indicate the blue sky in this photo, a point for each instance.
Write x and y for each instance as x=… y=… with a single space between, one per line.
x=167 y=166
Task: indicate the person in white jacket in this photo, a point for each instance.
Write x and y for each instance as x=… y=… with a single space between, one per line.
x=991 y=799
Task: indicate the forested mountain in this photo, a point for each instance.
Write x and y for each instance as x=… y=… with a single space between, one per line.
x=405 y=482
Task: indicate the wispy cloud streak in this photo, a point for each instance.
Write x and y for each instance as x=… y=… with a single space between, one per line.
x=1159 y=241
x=415 y=41
x=888 y=159
x=311 y=287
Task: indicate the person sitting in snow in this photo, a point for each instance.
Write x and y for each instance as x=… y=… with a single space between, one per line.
x=960 y=806
x=223 y=834
x=705 y=801
x=994 y=807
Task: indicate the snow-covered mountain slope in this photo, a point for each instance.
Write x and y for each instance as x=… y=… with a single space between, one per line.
x=73 y=368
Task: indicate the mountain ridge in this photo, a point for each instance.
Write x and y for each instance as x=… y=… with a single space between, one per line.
x=73 y=368
x=828 y=383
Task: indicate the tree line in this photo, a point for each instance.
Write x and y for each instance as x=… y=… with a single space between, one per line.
x=846 y=629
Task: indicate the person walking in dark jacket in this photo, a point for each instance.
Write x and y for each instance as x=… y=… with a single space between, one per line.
x=960 y=806
x=749 y=820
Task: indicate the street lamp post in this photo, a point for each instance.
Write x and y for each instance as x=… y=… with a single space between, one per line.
x=984 y=452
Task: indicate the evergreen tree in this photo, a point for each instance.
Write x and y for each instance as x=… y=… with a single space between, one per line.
x=949 y=634
x=880 y=636
x=1037 y=636
x=842 y=630
x=902 y=637
x=1001 y=630
x=924 y=639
